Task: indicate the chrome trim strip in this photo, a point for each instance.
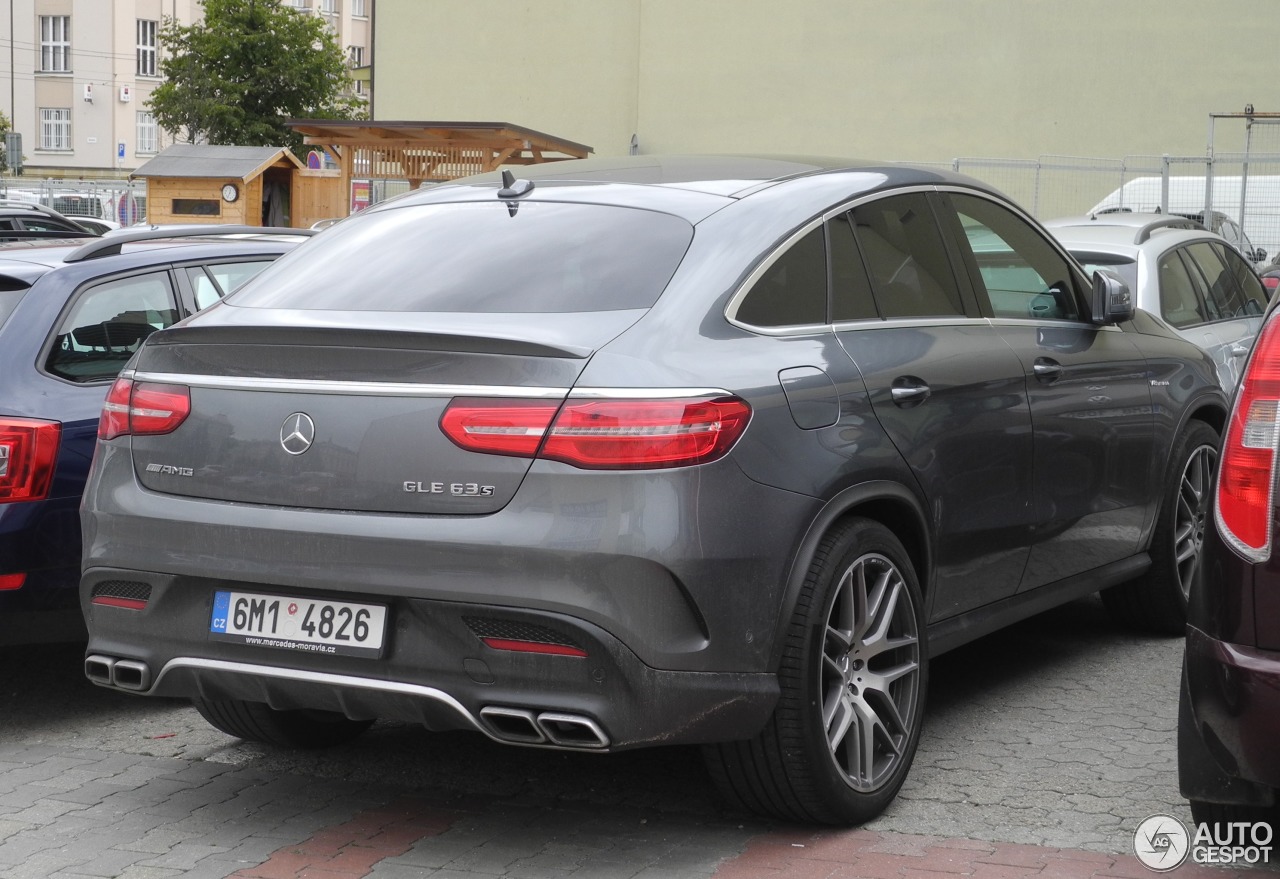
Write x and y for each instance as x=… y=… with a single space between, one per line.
x=357 y=389
x=645 y=393
x=396 y=688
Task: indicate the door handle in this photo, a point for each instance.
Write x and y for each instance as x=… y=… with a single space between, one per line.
x=1239 y=350
x=908 y=392
x=1047 y=370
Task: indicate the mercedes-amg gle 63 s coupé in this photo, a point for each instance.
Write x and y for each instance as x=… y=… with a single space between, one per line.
x=639 y=452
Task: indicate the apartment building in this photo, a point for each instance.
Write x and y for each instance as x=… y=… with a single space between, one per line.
x=79 y=73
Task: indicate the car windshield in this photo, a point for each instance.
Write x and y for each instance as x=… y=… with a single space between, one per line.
x=1123 y=266
x=488 y=257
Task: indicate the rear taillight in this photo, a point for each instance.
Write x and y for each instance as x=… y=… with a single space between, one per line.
x=28 y=453
x=1246 y=471
x=10 y=582
x=1271 y=282
x=601 y=434
x=141 y=408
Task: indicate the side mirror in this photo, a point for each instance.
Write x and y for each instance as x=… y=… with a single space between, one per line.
x=1112 y=301
x=1259 y=255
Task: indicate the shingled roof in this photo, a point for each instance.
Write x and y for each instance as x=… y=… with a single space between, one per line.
x=210 y=160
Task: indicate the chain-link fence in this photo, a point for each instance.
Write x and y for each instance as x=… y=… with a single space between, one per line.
x=1228 y=192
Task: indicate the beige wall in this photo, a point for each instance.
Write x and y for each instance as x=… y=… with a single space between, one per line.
x=908 y=80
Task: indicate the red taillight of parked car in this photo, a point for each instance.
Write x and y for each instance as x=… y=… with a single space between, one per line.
x=601 y=434
x=28 y=453
x=1271 y=282
x=143 y=408
x=1246 y=471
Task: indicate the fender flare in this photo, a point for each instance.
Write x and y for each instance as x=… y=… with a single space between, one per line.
x=907 y=512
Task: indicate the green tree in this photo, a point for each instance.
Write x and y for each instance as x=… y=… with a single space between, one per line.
x=234 y=77
x=4 y=153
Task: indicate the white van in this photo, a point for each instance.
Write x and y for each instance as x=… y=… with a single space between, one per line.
x=1186 y=197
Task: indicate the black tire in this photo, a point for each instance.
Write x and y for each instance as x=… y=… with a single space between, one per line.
x=1157 y=601
x=853 y=676
x=257 y=722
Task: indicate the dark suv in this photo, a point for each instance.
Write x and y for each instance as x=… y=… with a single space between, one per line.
x=637 y=452
x=1229 y=717
x=71 y=316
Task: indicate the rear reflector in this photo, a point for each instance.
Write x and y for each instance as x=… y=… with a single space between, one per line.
x=1246 y=471
x=533 y=647
x=28 y=453
x=9 y=582
x=141 y=408
x=600 y=434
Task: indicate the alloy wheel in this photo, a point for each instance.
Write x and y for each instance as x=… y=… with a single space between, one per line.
x=870 y=672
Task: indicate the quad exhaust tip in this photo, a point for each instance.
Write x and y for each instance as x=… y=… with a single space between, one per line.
x=125 y=674
x=548 y=728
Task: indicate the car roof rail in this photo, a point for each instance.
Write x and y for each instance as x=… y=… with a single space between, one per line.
x=32 y=205
x=1144 y=233
x=110 y=245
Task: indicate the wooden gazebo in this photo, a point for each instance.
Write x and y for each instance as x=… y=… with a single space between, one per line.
x=419 y=152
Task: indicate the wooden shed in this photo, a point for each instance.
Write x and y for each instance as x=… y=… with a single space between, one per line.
x=257 y=186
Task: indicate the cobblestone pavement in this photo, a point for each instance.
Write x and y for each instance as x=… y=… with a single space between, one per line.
x=1045 y=746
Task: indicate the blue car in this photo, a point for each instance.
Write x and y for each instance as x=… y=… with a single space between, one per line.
x=71 y=315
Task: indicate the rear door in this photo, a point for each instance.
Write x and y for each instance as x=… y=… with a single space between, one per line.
x=1234 y=299
x=947 y=390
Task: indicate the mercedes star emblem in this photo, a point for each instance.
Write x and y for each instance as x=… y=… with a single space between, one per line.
x=297 y=433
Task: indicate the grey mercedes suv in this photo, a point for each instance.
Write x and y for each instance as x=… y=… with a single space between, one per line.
x=637 y=452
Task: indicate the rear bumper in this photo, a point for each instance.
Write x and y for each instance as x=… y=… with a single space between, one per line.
x=1228 y=721
x=435 y=671
x=41 y=541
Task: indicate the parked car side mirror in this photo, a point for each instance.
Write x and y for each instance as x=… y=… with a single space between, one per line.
x=1112 y=300
x=1259 y=255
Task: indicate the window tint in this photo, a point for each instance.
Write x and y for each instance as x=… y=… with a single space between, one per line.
x=45 y=224
x=910 y=272
x=1024 y=276
x=1226 y=299
x=483 y=258
x=107 y=323
x=792 y=291
x=1180 y=304
x=851 y=297
x=211 y=283
x=1253 y=297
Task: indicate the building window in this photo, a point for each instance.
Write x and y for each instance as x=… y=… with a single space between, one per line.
x=55 y=43
x=357 y=60
x=328 y=7
x=55 y=128
x=357 y=8
x=147 y=47
x=148 y=134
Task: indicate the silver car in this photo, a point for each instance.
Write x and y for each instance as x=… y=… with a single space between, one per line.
x=1178 y=270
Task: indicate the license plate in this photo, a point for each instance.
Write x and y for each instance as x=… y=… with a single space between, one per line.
x=308 y=625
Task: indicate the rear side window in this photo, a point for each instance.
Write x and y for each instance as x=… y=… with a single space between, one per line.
x=793 y=290
x=480 y=257
x=211 y=283
x=1253 y=295
x=905 y=257
x=1225 y=297
x=107 y=323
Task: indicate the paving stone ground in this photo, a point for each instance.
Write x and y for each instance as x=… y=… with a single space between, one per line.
x=1045 y=747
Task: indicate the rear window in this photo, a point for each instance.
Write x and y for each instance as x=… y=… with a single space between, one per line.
x=534 y=257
